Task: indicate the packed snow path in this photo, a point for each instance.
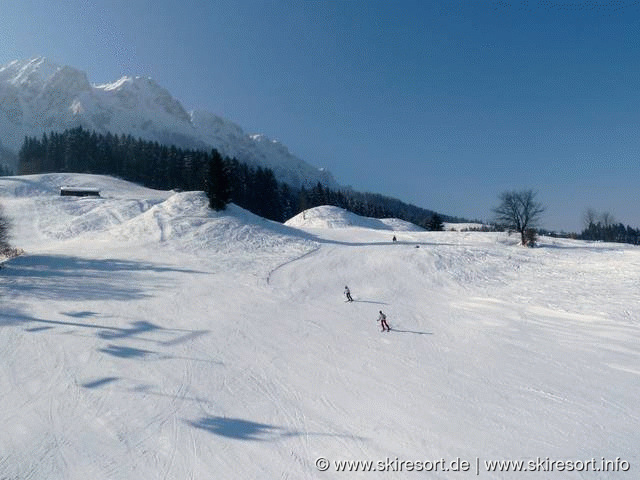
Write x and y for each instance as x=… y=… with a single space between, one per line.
x=143 y=336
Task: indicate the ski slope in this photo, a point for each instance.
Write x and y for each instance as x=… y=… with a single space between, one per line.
x=144 y=336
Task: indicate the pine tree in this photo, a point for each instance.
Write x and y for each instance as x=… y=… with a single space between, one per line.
x=435 y=223
x=218 y=186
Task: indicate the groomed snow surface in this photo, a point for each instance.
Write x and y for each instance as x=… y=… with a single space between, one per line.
x=143 y=336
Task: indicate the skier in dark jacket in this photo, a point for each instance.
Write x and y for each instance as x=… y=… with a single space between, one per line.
x=383 y=322
x=347 y=292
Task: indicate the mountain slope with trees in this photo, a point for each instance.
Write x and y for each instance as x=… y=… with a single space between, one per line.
x=39 y=96
x=224 y=179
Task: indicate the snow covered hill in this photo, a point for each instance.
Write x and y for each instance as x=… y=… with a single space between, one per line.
x=38 y=96
x=335 y=217
x=144 y=336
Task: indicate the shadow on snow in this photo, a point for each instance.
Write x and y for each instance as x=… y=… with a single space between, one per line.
x=399 y=330
x=355 y=300
x=64 y=277
x=238 y=429
x=100 y=382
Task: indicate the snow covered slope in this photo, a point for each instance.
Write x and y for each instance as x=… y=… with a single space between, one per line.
x=144 y=336
x=38 y=96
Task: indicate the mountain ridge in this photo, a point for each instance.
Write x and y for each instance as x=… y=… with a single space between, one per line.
x=38 y=96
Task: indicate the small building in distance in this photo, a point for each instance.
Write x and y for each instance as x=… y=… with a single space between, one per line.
x=79 y=192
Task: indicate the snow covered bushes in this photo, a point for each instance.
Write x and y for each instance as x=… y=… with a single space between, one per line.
x=4 y=232
x=5 y=248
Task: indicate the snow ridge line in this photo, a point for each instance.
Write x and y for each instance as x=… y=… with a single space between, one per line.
x=315 y=250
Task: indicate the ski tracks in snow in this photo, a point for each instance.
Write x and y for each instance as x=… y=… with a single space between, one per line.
x=286 y=402
x=289 y=262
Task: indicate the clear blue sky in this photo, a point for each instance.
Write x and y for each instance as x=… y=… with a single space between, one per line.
x=441 y=104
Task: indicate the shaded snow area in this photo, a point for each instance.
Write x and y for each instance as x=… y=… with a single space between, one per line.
x=144 y=336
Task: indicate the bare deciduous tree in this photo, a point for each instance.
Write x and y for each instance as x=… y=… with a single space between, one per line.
x=589 y=218
x=592 y=218
x=607 y=219
x=519 y=211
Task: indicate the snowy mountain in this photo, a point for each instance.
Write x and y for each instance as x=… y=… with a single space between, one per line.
x=38 y=96
x=143 y=335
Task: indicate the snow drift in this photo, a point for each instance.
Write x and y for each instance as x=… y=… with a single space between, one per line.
x=144 y=336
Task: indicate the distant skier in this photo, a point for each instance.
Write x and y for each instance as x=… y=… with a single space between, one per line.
x=347 y=293
x=383 y=322
x=395 y=239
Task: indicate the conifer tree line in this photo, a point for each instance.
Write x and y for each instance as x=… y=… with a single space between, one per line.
x=5 y=171
x=601 y=227
x=224 y=179
x=611 y=233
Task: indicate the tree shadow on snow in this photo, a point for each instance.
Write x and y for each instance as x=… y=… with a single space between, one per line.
x=45 y=265
x=10 y=317
x=176 y=335
x=122 y=351
x=126 y=352
x=238 y=429
x=37 y=329
x=100 y=382
x=164 y=337
x=67 y=277
x=137 y=328
x=82 y=314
